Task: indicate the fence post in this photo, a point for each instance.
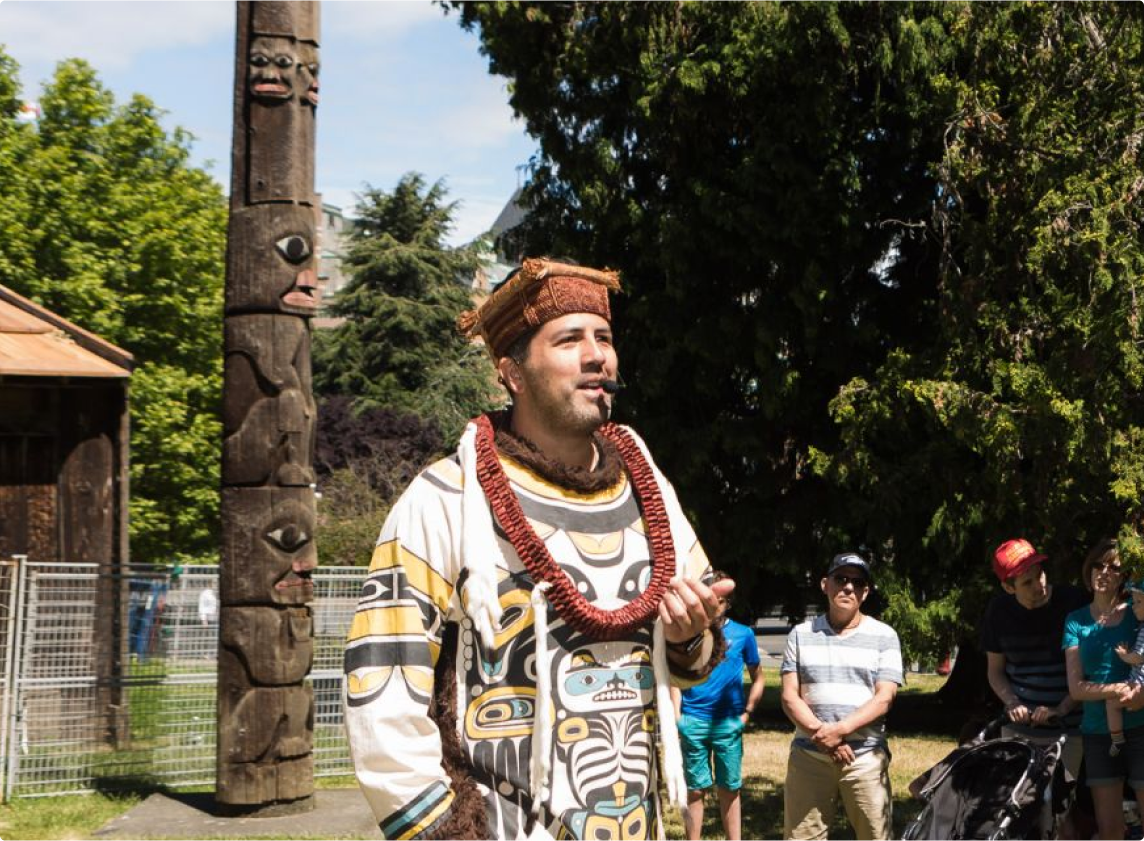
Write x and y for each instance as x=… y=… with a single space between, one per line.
x=9 y=602
x=12 y=661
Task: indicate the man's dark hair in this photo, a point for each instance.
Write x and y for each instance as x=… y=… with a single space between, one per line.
x=518 y=350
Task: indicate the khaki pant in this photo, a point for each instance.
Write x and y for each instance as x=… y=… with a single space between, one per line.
x=814 y=784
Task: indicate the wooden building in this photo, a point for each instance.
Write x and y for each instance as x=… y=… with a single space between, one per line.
x=63 y=467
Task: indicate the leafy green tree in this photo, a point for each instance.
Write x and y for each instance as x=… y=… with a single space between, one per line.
x=398 y=347
x=105 y=222
x=1022 y=414
x=364 y=459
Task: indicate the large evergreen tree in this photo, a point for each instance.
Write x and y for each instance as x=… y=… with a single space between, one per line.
x=882 y=261
x=748 y=167
x=105 y=222
x=1024 y=411
x=398 y=347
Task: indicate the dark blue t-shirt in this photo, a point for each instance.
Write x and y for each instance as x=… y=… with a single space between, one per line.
x=721 y=695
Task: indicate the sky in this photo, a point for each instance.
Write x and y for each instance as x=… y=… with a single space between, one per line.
x=403 y=89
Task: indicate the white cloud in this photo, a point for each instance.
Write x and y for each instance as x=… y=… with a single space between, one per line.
x=475 y=216
x=108 y=34
x=374 y=21
x=485 y=118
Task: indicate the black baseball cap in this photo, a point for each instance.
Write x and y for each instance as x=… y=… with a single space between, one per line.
x=850 y=559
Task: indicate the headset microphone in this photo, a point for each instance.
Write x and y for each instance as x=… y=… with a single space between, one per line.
x=611 y=386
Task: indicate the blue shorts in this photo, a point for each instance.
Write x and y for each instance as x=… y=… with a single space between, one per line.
x=1104 y=770
x=702 y=739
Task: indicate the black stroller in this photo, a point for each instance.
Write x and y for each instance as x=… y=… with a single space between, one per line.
x=995 y=788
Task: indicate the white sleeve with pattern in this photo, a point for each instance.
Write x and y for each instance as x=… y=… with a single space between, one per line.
x=393 y=645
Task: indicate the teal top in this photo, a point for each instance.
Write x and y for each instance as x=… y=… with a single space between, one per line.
x=1099 y=662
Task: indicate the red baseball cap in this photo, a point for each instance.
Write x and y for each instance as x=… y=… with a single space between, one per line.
x=1014 y=557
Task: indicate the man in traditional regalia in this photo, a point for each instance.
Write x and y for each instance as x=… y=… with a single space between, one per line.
x=530 y=601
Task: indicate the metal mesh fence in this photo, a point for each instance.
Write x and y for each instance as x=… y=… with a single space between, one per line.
x=71 y=723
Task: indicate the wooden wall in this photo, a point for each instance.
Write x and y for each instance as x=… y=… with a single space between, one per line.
x=63 y=499
x=62 y=464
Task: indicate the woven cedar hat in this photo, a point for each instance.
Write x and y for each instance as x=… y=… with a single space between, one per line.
x=540 y=291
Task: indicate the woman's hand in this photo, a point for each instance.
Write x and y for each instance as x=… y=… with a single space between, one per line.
x=1126 y=692
x=1136 y=699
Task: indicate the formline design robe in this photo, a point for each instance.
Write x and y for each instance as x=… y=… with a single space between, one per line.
x=604 y=746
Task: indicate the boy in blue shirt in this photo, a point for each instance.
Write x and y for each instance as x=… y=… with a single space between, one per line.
x=711 y=719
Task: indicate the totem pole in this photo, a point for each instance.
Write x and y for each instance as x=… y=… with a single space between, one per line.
x=265 y=707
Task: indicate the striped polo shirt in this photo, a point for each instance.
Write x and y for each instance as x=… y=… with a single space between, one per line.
x=837 y=674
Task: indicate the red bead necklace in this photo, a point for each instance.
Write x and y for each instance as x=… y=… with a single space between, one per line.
x=569 y=603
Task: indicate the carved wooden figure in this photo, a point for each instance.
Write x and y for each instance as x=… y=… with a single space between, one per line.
x=265 y=706
x=269 y=415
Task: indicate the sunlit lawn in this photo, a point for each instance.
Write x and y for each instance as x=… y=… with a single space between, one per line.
x=764 y=767
x=765 y=750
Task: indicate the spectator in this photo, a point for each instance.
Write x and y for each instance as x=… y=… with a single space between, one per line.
x=1020 y=635
x=711 y=717
x=840 y=673
x=208 y=606
x=1096 y=674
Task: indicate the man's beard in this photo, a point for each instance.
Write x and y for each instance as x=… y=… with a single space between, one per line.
x=567 y=415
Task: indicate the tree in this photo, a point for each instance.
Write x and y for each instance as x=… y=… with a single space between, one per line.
x=364 y=460
x=748 y=168
x=105 y=222
x=398 y=347
x=1022 y=414
x=855 y=320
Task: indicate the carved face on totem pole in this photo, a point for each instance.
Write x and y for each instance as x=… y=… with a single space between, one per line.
x=272 y=531
x=273 y=68
x=282 y=96
x=274 y=272
x=308 y=73
x=280 y=68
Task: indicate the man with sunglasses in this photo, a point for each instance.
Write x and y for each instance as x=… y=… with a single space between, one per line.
x=840 y=673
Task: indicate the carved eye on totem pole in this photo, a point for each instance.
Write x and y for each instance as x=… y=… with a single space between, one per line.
x=274 y=272
x=272 y=63
x=295 y=249
x=272 y=531
x=290 y=537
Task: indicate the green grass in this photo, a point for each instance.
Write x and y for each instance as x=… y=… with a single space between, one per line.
x=75 y=816
x=764 y=768
x=923 y=735
x=71 y=818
